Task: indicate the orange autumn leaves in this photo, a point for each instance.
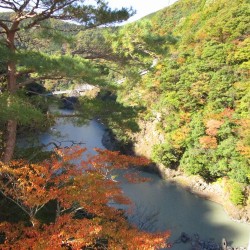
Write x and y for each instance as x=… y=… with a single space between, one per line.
x=210 y=140
x=88 y=186
x=213 y=124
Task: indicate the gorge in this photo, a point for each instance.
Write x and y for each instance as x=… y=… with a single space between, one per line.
x=175 y=209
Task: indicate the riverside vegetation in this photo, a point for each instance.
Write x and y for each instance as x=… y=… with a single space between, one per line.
x=195 y=94
x=196 y=98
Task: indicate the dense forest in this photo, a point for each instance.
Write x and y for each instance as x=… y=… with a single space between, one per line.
x=199 y=89
x=185 y=67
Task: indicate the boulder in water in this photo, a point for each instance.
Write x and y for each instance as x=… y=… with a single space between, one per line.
x=184 y=237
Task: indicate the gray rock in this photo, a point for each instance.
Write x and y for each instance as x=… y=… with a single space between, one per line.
x=185 y=237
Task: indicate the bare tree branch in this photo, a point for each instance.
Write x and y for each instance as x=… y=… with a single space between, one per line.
x=24 y=5
x=16 y=3
x=4 y=26
x=10 y=4
x=16 y=202
x=35 y=6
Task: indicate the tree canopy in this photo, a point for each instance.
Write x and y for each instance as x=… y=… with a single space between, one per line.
x=24 y=64
x=70 y=207
x=59 y=205
x=196 y=56
x=199 y=89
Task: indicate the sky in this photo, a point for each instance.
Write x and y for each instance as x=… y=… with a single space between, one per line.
x=142 y=7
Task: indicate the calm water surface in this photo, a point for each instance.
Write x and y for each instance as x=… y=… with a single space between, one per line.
x=176 y=209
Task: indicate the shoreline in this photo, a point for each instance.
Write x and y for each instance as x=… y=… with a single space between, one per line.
x=193 y=184
x=197 y=186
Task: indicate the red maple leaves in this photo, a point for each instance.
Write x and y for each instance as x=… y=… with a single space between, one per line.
x=80 y=195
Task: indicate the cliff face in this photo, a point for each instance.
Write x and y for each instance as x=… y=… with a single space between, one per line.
x=148 y=137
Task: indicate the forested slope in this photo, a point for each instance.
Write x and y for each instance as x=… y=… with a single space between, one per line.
x=199 y=90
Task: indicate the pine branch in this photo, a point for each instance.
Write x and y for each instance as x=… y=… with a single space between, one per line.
x=30 y=80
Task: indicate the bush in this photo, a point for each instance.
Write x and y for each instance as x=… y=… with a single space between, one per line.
x=166 y=154
x=236 y=193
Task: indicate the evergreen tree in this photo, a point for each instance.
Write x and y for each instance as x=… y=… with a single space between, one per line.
x=28 y=16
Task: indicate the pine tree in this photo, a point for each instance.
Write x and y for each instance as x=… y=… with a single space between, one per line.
x=28 y=16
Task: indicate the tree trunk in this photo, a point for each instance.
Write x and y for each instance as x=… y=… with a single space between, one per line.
x=12 y=84
x=10 y=140
x=11 y=128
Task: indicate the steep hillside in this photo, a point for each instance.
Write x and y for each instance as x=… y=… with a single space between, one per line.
x=197 y=96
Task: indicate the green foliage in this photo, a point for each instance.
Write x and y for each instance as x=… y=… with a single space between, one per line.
x=200 y=87
x=46 y=65
x=166 y=154
x=122 y=120
x=56 y=65
x=94 y=45
x=197 y=161
x=137 y=41
x=4 y=52
x=16 y=107
x=236 y=193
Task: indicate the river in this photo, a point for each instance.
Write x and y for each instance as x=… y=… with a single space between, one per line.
x=174 y=208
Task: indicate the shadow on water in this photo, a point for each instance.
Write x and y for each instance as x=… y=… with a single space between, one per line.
x=177 y=209
x=181 y=211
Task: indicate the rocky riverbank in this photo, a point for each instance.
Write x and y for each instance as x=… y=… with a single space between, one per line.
x=143 y=144
x=210 y=191
x=194 y=184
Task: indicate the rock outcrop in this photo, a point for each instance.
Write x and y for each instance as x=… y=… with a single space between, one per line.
x=143 y=145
